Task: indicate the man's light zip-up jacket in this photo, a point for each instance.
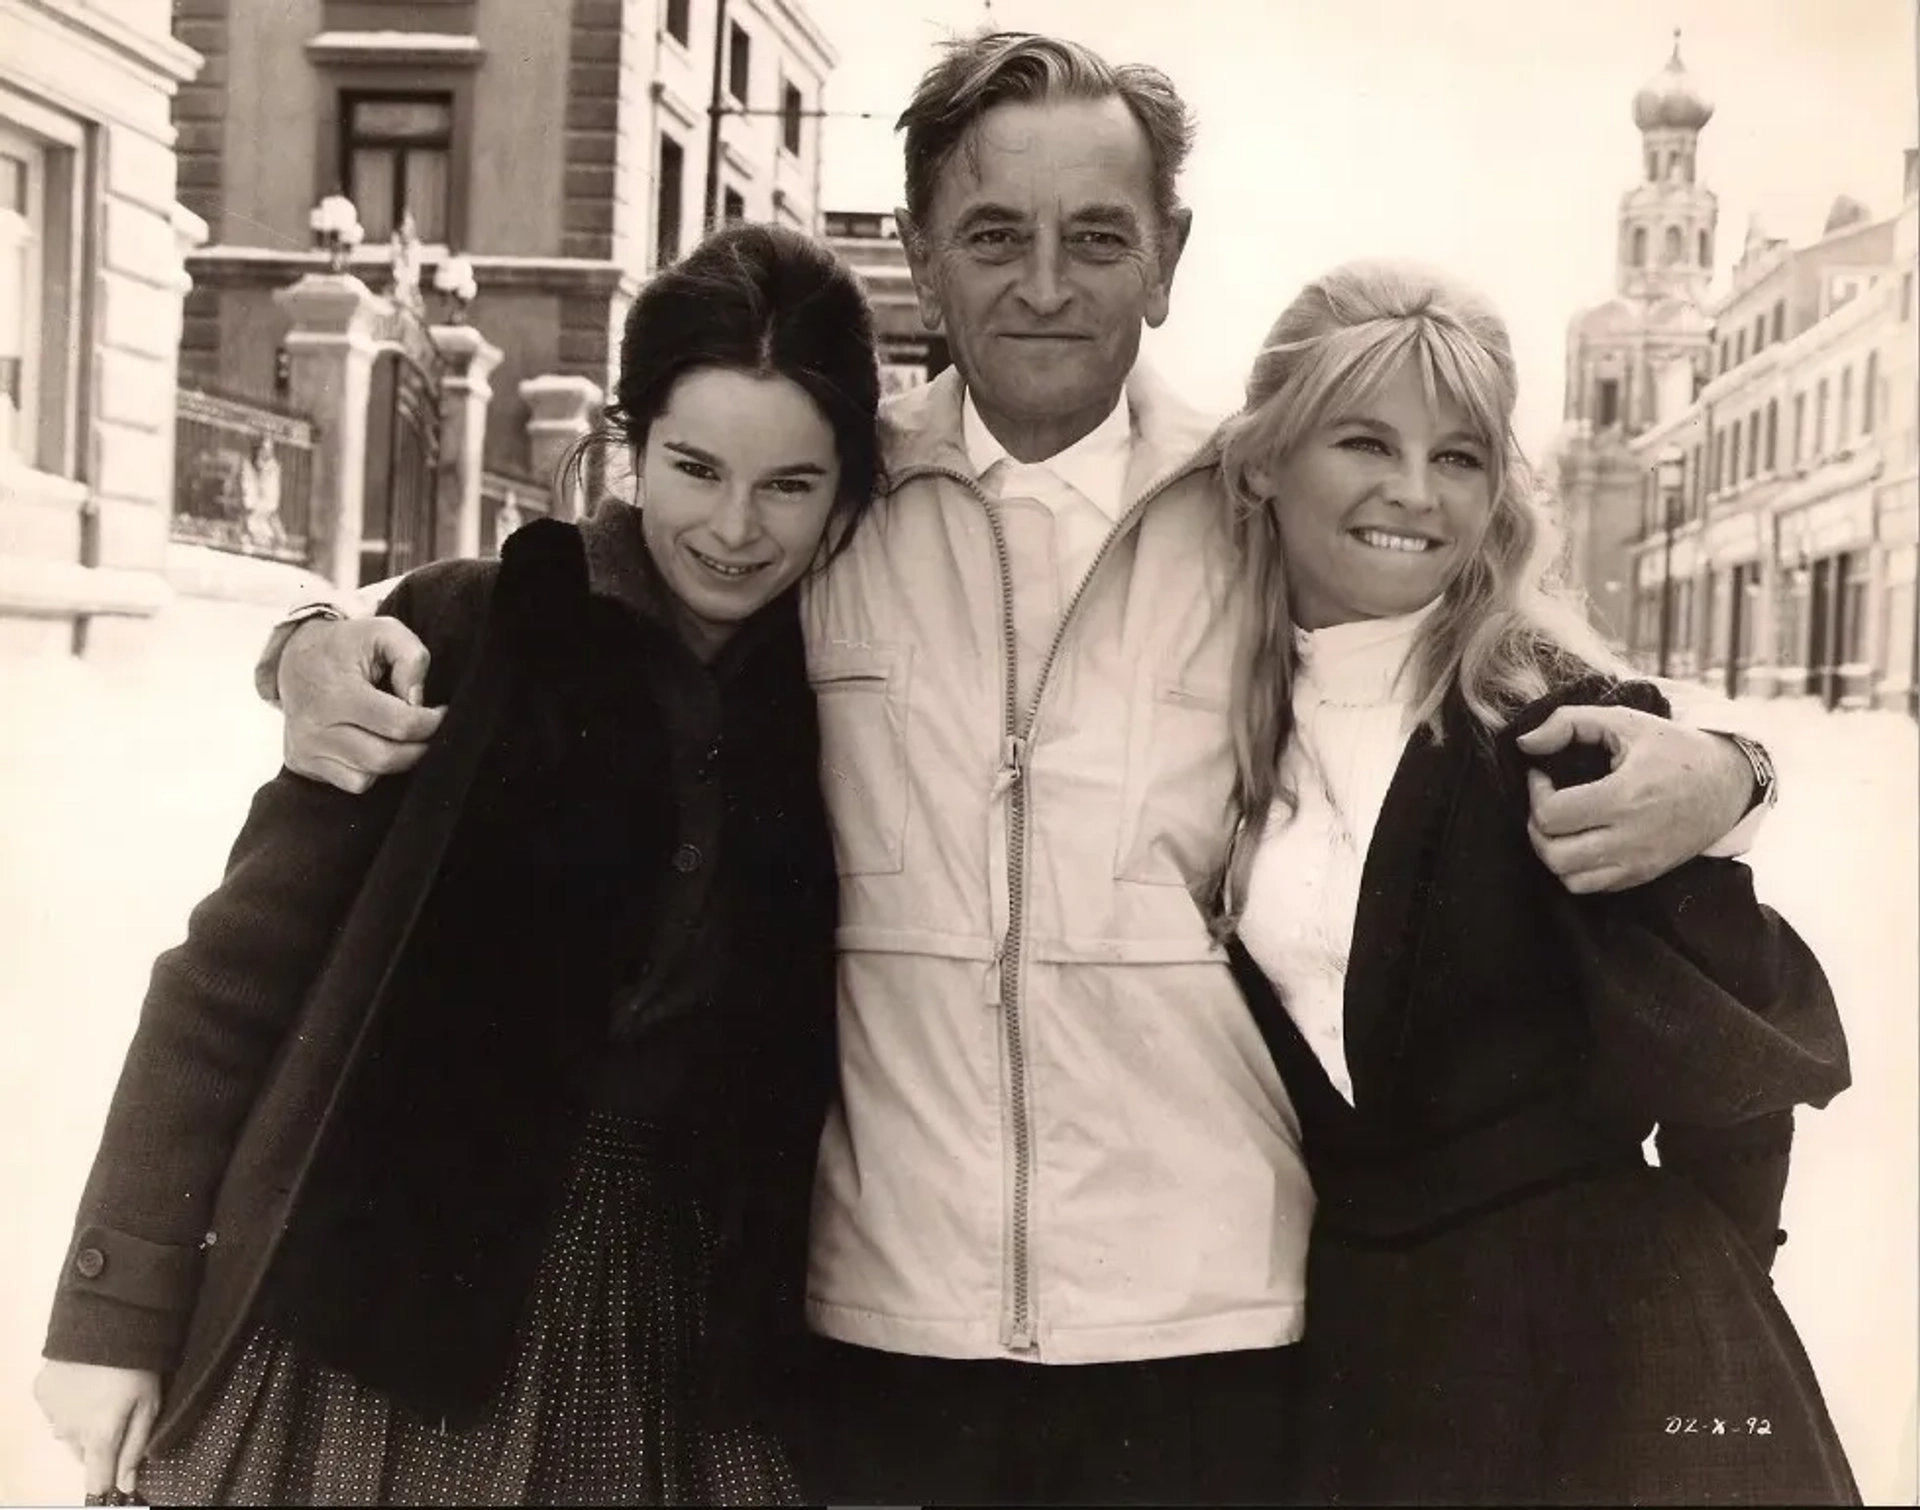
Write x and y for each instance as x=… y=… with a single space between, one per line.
x=1060 y=1137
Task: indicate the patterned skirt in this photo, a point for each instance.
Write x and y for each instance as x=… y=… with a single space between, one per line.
x=596 y=1409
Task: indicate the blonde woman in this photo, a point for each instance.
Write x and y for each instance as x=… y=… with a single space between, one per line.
x=1506 y=1304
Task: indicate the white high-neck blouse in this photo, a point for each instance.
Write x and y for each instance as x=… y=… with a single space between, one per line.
x=1353 y=711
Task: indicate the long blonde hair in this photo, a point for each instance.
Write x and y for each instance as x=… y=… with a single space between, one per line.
x=1507 y=628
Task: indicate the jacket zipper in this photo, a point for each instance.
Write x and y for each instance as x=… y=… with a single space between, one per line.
x=1016 y=739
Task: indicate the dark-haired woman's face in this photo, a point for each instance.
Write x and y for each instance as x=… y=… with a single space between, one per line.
x=738 y=481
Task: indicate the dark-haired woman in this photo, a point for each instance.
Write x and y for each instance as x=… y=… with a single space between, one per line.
x=463 y=1151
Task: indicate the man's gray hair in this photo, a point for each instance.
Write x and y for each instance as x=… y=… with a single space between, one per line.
x=976 y=73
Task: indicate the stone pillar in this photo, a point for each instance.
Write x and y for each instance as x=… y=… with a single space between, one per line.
x=464 y=391
x=560 y=409
x=330 y=352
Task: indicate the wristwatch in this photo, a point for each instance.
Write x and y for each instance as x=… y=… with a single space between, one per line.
x=1766 y=783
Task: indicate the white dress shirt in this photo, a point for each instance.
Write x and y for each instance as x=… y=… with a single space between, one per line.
x=1082 y=487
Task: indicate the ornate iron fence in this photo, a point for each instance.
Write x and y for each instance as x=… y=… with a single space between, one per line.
x=243 y=476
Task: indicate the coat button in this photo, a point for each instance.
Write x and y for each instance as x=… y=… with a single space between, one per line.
x=90 y=1263
x=1780 y=1237
x=686 y=859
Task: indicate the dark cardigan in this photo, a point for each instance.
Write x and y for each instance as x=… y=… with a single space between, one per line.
x=1504 y=1035
x=351 y=1098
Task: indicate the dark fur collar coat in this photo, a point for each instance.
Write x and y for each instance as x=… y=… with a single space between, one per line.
x=353 y=1091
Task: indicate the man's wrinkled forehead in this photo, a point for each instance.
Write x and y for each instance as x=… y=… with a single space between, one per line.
x=1081 y=158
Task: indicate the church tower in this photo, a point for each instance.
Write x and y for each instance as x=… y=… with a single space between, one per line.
x=1645 y=352
x=1667 y=219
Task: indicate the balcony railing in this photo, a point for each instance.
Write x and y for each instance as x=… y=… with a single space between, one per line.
x=243 y=476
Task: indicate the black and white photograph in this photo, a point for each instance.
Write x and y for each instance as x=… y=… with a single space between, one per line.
x=959 y=752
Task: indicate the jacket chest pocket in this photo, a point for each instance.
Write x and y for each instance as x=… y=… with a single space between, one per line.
x=862 y=693
x=1179 y=777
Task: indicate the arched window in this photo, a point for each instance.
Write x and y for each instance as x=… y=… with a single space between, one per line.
x=1706 y=248
x=1639 y=246
x=1653 y=165
x=1670 y=253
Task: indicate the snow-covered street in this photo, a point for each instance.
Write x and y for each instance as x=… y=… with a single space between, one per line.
x=122 y=786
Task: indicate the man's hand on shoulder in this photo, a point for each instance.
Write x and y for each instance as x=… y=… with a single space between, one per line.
x=1673 y=793
x=343 y=725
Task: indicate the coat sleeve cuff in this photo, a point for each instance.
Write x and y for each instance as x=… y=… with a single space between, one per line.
x=123 y=1300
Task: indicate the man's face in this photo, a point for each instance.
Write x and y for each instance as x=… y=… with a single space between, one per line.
x=1042 y=259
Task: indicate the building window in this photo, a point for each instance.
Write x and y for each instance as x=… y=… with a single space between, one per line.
x=1906 y=296
x=1725 y=351
x=1854 y=577
x=1799 y=426
x=1845 y=428
x=1746 y=610
x=23 y=236
x=1753 y=444
x=1719 y=616
x=1759 y=333
x=791 y=107
x=669 y=196
x=1869 y=392
x=680 y=21
x=1609 y=403
x=39 y=317
x=1773 y=433
x=399 y=157
x=1706 y=248
x=739 y=61
x=1697 y=490
x=1639 y=246
x=1653 y=165
x=1899 y=628
x=1820 y=420
x=733 y=207
x=1739 y=347
x=1670 y=250
x=1790 y=618
x=1779 y=320
x=1646 y=622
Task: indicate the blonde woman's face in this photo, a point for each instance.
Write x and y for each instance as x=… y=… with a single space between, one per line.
x=1381 y=506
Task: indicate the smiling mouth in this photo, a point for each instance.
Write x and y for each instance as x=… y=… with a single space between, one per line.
x=733 y=571
x=1389 y=540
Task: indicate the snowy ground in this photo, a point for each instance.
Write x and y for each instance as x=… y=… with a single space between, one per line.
x=121 y=788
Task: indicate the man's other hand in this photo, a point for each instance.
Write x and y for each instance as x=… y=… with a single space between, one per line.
x=343 y=724
x=1673 y=791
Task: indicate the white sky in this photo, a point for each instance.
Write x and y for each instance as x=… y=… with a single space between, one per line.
x=1492 y=137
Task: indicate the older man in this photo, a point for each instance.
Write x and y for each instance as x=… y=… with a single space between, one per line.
x=1061 y=1213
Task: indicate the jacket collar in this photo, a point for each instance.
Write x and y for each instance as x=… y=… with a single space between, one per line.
x=923 y=429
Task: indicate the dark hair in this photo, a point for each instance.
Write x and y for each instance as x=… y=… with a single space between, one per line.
x=991 y=68
x=764 y=300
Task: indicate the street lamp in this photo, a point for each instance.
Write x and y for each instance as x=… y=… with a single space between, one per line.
x=336 y=226
x=1670 y=471
x=454 y=279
